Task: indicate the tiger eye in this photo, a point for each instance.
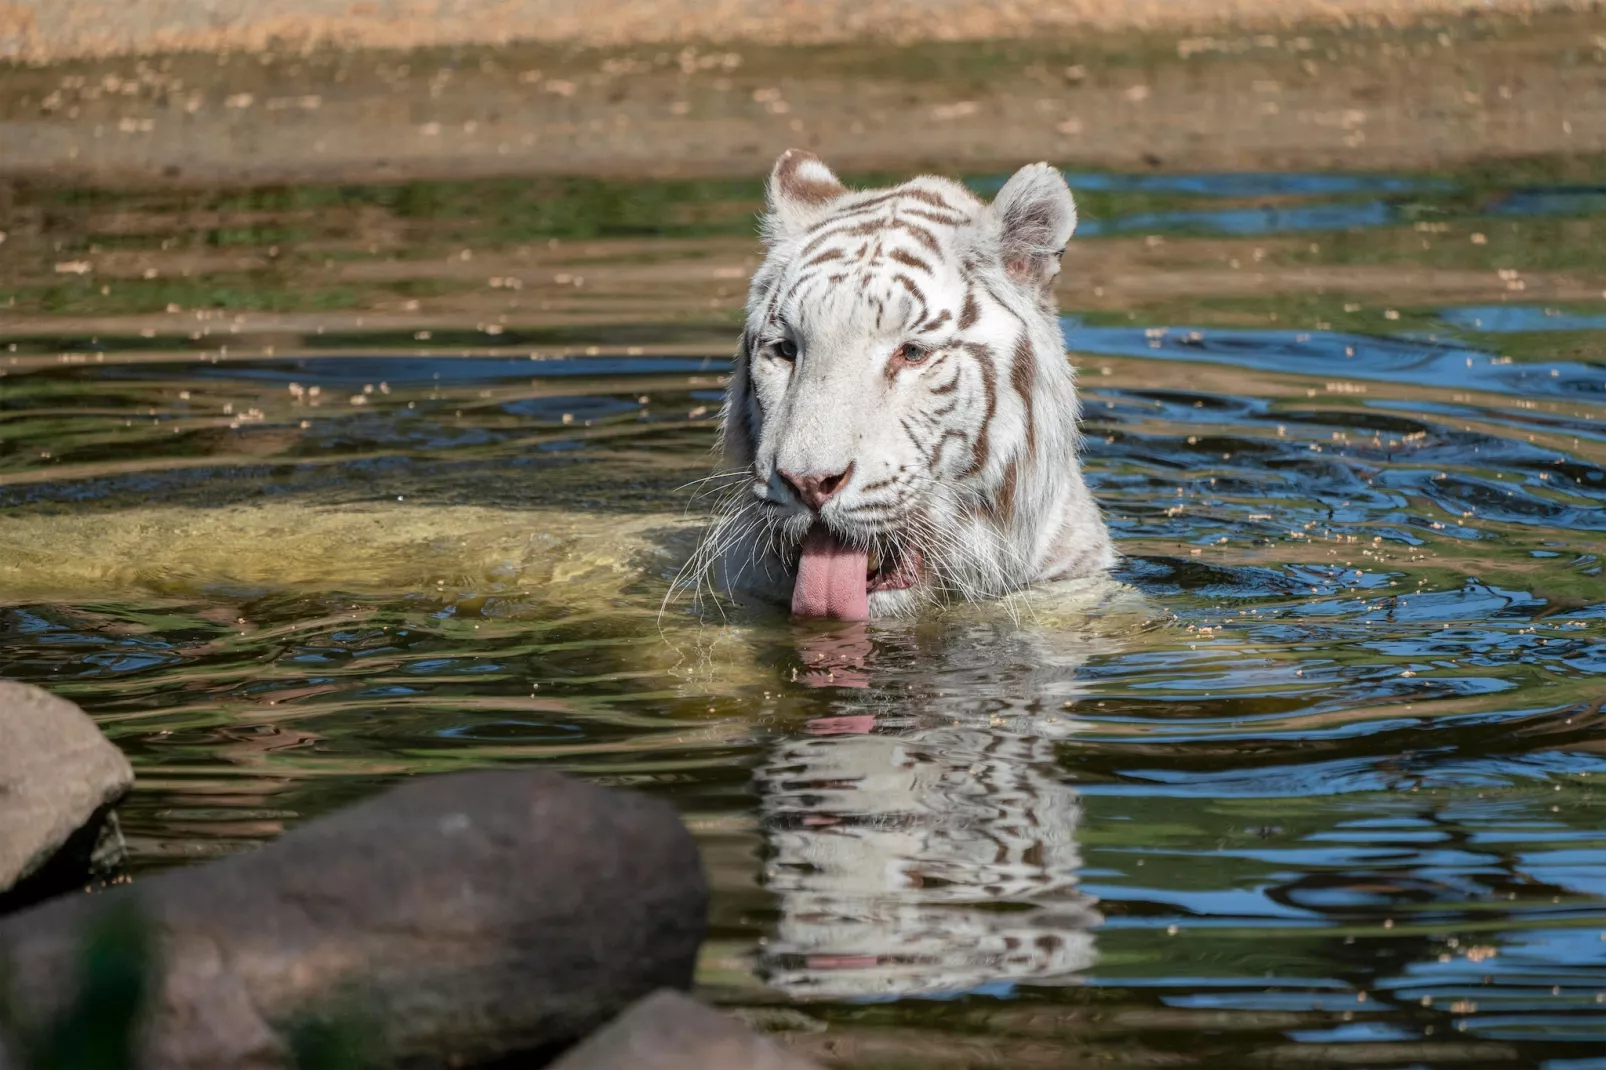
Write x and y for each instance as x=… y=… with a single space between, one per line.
x=912 y=353
x=786 y=349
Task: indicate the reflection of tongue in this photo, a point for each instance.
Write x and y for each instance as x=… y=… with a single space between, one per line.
x=831 y=579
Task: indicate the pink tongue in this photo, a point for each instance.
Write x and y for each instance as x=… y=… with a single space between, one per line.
x=831 y=579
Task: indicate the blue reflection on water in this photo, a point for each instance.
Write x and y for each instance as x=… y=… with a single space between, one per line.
x=1338 y=354
x=1551 y=201
x=1519 y=319
x=1243 y=222
x=449 y=371
x=1246 y=184
x=1332 y=202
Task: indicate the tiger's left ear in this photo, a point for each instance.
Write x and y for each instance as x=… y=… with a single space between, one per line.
x=801 y=188
x=1036 y=216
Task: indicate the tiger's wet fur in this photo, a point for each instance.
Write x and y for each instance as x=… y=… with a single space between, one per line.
x=909 y=339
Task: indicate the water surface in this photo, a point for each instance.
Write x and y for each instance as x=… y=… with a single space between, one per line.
x=306 y=490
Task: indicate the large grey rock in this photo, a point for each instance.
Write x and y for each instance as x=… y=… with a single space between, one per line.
x=453 y=919
x=670 y=1031
x=59 y=779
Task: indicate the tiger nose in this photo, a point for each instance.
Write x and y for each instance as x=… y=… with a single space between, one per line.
x=815 y=491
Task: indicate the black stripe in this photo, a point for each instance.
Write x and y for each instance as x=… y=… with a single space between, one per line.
x=738 y=430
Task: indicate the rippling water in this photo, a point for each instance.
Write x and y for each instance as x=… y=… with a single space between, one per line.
x=302 y=491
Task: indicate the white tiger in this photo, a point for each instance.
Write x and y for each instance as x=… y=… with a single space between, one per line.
x=901 y=421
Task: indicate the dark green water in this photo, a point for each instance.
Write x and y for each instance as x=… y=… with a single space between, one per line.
x=1331 y=795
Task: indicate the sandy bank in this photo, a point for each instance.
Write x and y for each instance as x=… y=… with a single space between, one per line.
x=56 y=29
x=1318 y=97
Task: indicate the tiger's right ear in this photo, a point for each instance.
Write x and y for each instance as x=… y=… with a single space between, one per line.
x=801 y=189
x=1036 y=216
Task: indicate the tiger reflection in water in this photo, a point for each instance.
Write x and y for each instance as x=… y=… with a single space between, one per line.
x=922 y=853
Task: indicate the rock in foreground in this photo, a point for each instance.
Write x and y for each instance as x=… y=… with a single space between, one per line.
x=453 y=919
x=59 y=779
x=669 y=1031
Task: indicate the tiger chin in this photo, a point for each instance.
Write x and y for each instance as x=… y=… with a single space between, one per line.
x=900 y=424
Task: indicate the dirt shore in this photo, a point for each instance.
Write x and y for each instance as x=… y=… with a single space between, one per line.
x=61 y=29
x=1434 y=92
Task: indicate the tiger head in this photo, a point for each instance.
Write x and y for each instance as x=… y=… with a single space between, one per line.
x=901 y=421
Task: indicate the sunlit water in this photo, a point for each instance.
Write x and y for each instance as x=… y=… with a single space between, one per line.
x=1321 y=785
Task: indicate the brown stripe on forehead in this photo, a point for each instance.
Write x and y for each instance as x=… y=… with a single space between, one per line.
x=921 y=195
x=805 y=277
x=821 y=237
x=1023 y=377
x=835 y=229
x=896 y=219
x=936 y=321
x=797 y=284
x=987 y=363
x=911 y=259
x=945 y=218
x=859 y=207
x=825 y=255
x=928 y=197
x=920 y=234
x=909 y=284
